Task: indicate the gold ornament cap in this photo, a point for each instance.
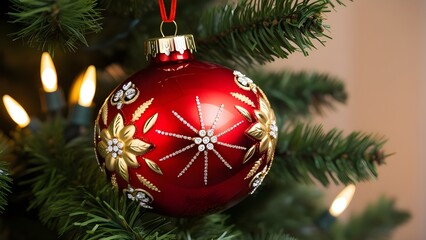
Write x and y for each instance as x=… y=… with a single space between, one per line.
x=169 y=44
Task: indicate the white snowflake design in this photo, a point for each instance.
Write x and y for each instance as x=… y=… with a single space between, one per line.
x=204 y=139
x=126 y=95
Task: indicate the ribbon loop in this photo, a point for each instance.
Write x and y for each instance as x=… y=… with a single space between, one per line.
x=163 y=12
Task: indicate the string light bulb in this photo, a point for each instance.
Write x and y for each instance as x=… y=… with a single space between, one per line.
x=48 y=73
x=16 y=111
x=88 y=87
x=342 y=200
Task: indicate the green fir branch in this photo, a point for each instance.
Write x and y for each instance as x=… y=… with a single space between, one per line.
x=213 y=226
x=106 y=216
x=306 y=151
x=376 y=222
x=5 y=178
x=258 y=31
x=295 y=94
x=73 y=196
x=5 y=185
x=52 y=23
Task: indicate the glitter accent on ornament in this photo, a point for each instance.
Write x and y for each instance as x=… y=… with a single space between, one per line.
x=140 y=196
x=118 y=147
x=266 y=124
x=205 y=140
x=126 y=95
x=147 y=183
x=149 y=123
x=141 y=109
x=243 y=98
x=244 y=82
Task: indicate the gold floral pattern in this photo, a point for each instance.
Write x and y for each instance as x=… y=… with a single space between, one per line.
x=265 y=130
x=119 y=148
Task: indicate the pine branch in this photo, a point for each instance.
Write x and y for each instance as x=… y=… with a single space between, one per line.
x=5 y=179
x=269 y=236
x=128 y=8
x=305 y=152
x=106 y=216
x=214 y=226
x=5 y=185
x=376 y=222
x=299 y=94
x=275 y=208
x=73 y=196
x=257 y=31
x=48 y=24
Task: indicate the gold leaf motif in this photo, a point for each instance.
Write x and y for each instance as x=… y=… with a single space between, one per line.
x=105 y=113
x=153 y=166
x=147 y=183
x=257 y=131
x=141 y=109
x=249 y=153
x=243 y=98
x=122 y=169
x=149 y=123
x=254 y=169
x=244 y=112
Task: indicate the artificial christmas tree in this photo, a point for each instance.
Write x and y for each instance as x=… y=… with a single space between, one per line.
x=58 y=179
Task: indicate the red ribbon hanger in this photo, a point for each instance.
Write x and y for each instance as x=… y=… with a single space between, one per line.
x=163 y=12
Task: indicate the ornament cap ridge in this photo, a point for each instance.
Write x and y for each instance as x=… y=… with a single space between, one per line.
x=169 y=44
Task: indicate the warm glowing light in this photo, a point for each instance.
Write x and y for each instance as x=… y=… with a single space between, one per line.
x=342 y=200
x=16 y=111
x=75 y=89
x=88 y=87
x=48 y=73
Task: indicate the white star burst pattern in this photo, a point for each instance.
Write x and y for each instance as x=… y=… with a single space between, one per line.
x=204 y=140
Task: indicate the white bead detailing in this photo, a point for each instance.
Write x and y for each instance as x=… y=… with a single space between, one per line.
x=189 y=164
x=204 y=140
x=217 y=116
x=200 y=114
x=231 y=146
x=222 y=159
x=230 y=129
x=177 y=152
x=173 y=135
x=206 y=167
x=184 y=121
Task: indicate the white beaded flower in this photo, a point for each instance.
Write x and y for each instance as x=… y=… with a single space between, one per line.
x=126 y=95
x=140 y=196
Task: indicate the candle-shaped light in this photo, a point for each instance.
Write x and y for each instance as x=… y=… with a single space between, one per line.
x=340 y=203
x=16 y=111
x=88 y=87
x=52 y=97
x=82 y=111
x=48 y=73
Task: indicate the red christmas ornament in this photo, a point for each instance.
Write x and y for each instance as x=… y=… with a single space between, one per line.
x=185 y=137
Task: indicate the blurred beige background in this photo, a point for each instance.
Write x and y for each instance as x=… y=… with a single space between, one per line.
x=379 y=50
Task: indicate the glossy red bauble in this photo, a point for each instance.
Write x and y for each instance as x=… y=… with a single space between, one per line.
x=185 y=137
